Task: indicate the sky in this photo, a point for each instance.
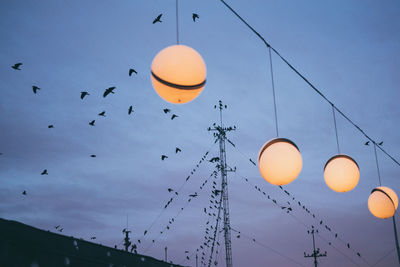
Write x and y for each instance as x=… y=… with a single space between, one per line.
x=348 y=49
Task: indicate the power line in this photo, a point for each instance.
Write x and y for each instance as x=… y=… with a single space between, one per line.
x=308 y=82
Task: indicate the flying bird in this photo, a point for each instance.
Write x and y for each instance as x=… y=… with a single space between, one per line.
x=61 y=229
x=92 y=122
x=50 y=126
x=93 y=155
x=103 y=114
x=108 y=91
x=35 y=89
x=130 y=110
x=367 y=143
x=381 y=143
x=193 y=195
x=57 y=226
x=166 y=110
x=132 y=71
x=195 y=16
x=177 y=150
x=173 y=116
x=83 y=94
x=16 y=66
x=170 y=190
x=163 y=157
x=44 y=172
x=24 y=193
x=158 y=19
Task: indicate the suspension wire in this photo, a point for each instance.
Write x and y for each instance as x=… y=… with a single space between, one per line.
x=334 y=121
x=308 y=82
x=273 y=91
x=267 y=247
x=377 y=165
x=178 y=191
x=215 y=231
x=177 y=21
x=383 y=257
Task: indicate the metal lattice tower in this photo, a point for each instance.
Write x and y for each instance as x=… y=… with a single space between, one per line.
x=220 y=134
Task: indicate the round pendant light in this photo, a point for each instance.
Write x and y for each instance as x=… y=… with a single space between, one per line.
x=178 y=74
x=341 y=173
x=383 y=202
x=279 y=161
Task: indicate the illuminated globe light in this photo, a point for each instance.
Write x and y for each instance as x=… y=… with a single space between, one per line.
x=178 y=74
x=383 y=202
x=341 y=173
x=279 y=161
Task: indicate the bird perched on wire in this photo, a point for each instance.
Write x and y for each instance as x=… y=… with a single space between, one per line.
x=381 y=143
x=92 y=156
x=24 y=193
x=130 y=110
x=16 y=66
x=177 y=150
x=195 y=16
x=58 y=226
x=44 y=172
x=103 y=114
x=92 y=123
x=193 y=195
x=170 y=190
x=93 y=238
x=366 y=143
x=108 y=91
x=158 y=19
x=35 y=89
x=174 y=116
x=83 y=94
x=131 y=71
x=163 y=157
x=51 y=126
x=166 y=110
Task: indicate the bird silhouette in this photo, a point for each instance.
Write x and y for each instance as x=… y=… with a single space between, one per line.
x=44 y=172
x=177 y=150
x=16 y=66
x=335 y=235
x=92 y=122
x=58 y=226
x=35 y=89
x=214 y=159
x=24 y=193
x=170 y=190
x=93 y=238
x=381 y=143
x=348 y=245
x=367 y=143
x=166 y=110
x=60 y=230
x=130 y=110
x=93 y=155
x=132 y=71
x=83 y=94
x=195 y=16
x=174 y=116
x=163 y=157
x=358 y=254
x=108 y=91
x=50 y=126
x=103 y=114
x=193 y=195
x=158 y=19
x=145 y=232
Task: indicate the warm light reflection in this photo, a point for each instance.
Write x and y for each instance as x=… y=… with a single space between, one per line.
x=383 y=204
x=279 y=161
x=341 y=173
x=178 y=74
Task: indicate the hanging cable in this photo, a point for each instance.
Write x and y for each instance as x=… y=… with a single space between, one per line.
x=273 y=91
x=307 y=81
x=334 y=121
x=177 y=21
x=377 y=165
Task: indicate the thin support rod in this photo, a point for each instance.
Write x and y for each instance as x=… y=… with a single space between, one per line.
x=308 y=82
x=177 y=21
x=377 y=165
x=396 y=239
x=334 y=121
x=273 y=91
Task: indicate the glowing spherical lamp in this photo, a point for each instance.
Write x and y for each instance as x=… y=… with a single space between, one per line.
x=341 y=173
x=279 y=161
x=383 y=202
x=178 y=74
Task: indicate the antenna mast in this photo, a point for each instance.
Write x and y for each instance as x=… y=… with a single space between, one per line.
x=315 y=253
x=220 y=134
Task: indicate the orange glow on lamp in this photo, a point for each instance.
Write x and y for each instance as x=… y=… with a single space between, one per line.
x=279 y=161
x=341 y=173
x=383 y=202
x=178 y=74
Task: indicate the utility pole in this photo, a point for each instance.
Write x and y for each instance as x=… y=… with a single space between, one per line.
x=220 y=134
x=315 y=253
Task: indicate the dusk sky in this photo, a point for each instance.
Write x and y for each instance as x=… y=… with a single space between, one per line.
x=348 y=49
